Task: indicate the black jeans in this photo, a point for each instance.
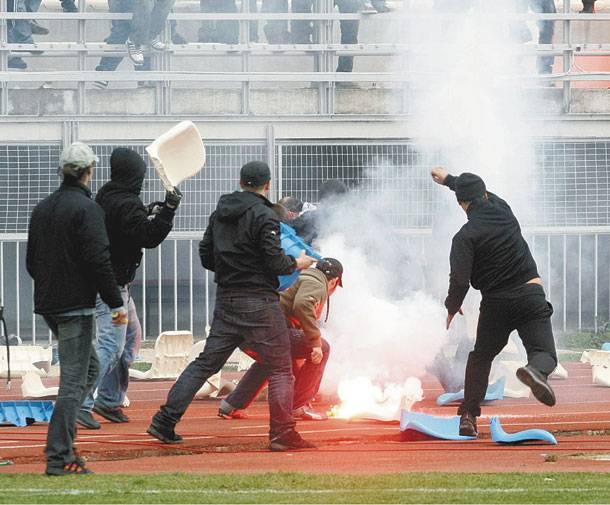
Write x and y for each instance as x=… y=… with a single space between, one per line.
x=524 y=309
x=79 y=369
x=251 y=322
x=302 y=30
x=224 y=31
x=307 y=378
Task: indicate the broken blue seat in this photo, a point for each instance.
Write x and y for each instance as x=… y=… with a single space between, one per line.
x=25 y=412
x=292 y=244
x=535 y=435
x=495 y=391
x=446 y=428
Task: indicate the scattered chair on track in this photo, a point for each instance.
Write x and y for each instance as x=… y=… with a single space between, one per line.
x=171 y=356
x=32 y=387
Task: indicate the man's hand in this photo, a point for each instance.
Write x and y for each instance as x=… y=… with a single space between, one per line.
x=173 y=198
x=316 y=355
x=439 y=174
x=304 y=261
x=119 y=317
x=451 y=316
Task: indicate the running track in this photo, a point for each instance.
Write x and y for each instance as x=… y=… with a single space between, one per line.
x=580 y=421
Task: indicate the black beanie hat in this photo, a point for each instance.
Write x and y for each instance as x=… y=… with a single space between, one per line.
x=469 y=187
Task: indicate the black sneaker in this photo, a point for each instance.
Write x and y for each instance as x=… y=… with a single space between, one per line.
x=76 y=467
x=69 y=7
x=166 y=434
x=17 y=63
x=533 y=379
x=290 y=441
x=468 y=425
x=113 y=415
x=86 y=420
x=38 y=29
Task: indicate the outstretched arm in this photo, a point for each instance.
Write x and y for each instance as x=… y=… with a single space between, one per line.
x=442 y=177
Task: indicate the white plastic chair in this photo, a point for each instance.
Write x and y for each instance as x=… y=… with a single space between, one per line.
x=172 y=350
x=215 y=386
x=601 y=375
x=32 y=387
x=23 y=359
x=559 y=373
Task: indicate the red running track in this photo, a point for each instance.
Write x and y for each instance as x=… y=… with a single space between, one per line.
x=580 y=421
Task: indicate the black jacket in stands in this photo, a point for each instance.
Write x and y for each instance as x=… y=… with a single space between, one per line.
x=67 y=253
x=488 y=252
x=242 y=245
x=128 y=224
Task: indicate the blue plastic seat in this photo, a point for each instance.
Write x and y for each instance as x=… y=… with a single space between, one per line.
x=24 y=412
x=500 y=436
x=292 y=244
x=495 y=391
x=606 y=346
x=445 y=428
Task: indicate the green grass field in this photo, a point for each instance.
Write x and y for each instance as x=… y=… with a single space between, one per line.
x=302 y=488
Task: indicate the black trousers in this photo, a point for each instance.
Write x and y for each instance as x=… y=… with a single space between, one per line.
x=524 y=309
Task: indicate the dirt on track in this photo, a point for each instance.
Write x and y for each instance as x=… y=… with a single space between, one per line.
x=580 y=421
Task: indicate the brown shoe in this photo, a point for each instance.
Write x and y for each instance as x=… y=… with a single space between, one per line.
x=468 y=425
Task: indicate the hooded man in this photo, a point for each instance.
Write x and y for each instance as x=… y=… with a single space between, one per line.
x=241 y=245
x=490 y=253
x=130 y=228
x=302 y=305
x=68 y=258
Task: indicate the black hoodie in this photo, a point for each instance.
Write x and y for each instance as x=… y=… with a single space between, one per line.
x=127 y=222
x=488 y=252
x=242 y=245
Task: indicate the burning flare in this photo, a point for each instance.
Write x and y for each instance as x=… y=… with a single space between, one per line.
x=360 y=398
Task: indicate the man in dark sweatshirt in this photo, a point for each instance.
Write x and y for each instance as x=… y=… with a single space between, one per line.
x=302 y=305
x=490 y=253
x=242 y=246
x=68 y=257
x=130 y=227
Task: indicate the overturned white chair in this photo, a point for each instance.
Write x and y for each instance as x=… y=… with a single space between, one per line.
x=513 y=388
x=171 y=356
x=24 y=359
x=32 y=387
x=596 y=357
x=601 y=375
x=559 y=373
x=215 y=386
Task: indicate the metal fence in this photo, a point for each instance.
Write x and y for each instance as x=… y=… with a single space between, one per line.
x=323 y=53
x=570 y=237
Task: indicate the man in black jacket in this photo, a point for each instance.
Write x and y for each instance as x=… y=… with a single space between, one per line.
x=68 y=257
x=130 y=228
x=490 y=253
x=242 y=246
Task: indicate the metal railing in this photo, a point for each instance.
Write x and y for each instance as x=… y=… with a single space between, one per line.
x=172 y=291
x=323 y=52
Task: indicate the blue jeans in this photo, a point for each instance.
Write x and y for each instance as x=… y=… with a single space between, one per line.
x=20 y=30
x=116 y=348
x=307 y=378
x=253 y=322
x=79 y=368
x=119 y=33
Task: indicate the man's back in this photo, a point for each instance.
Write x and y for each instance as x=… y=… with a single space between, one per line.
x=242 y=244
x=502 y=258
x=67 y=252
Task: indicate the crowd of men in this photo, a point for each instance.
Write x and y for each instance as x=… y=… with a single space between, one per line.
x=141 y=34
x=83 y=255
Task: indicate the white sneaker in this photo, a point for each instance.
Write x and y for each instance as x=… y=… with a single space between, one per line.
x=100 y=84
x=135 y=52
x=158 y=45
